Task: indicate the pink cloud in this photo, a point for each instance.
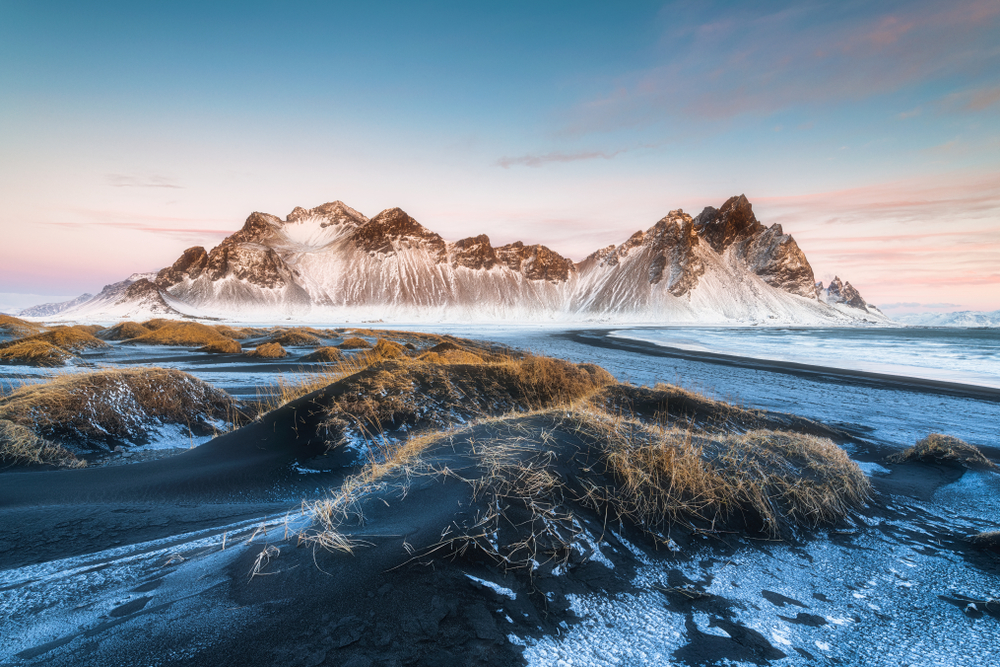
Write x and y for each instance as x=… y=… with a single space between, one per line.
x=760 y=63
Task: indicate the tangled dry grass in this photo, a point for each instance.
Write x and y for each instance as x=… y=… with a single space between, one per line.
x=766 y=479
x=178 y=333
x=268 y=351
x=940 y=448
x=112 y=406
x=34 y=353
x=325 y=354
x=227 y=346
x=19 y=445
x=15 y=326
x=295 y=337
x=354 y=343
x=123 y=331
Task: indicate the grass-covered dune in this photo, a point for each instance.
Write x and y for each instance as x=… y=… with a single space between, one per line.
x=104 y=409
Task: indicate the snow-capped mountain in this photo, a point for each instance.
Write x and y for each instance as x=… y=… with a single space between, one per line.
x=333 y=263
x=51 y=309
x=964 y=318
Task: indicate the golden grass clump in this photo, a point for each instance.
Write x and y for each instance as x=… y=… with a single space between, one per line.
x=232 y=332
x=19 y=446
x=17 y=327
x=92 y=329
x=268 y=351
x=34 y=353
x=178 y=333
x=943 y=449
x=387 y=349
x=123 y=331
x=765 y=480
x=294 y=337
x=115 y=404
x=354 y=343
x=227 y=346
x=324 y=354
x=70 y=339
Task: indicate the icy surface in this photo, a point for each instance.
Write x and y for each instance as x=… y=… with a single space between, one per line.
x=957 y=355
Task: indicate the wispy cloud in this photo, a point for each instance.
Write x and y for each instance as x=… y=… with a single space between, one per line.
x=547 y=158
x=131 y=181
x=759 y=61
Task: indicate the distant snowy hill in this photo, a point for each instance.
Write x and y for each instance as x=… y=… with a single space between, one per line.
x=50 y=309
x=965 y=318
x=333 y=263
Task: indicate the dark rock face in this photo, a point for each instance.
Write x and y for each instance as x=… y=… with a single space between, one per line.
x=777 y=258
x=475 y=253
x=258 y=228
x=767 y=251
x=730 y=224
x=190 y=264
x=840 y=292
x=243 y=255
x=255 y=264
x=672 y=241
x=536 y=262
x=333 y=213
x=393 y=228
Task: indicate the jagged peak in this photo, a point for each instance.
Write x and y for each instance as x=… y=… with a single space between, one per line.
x=733 y=222
x=335 y=212
x=391 y=225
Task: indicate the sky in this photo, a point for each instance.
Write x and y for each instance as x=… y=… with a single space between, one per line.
x=869 y=131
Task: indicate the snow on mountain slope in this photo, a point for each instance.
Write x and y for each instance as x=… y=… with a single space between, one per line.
x=51 y=309
x=965 y=318
x=333 y=263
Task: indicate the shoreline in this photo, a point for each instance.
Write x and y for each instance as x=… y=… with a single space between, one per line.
x=600 y=338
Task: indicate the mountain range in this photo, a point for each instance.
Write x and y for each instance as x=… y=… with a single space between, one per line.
x=332 y=263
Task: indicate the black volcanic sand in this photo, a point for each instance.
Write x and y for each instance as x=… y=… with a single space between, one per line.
x=156 y=560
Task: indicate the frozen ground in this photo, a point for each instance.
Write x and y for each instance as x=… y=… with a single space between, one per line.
x=900 y=586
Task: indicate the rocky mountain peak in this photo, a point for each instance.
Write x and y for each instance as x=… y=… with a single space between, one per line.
x=257 y=229
x=191 y=263
x=733 y=222
x=475 y=252
x=394 y=228
x=332 y=213
x=536 y=262
x=842 y=292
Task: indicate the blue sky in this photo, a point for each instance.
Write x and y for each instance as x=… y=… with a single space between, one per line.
x=870 y=131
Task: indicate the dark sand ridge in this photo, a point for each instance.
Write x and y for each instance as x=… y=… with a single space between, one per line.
x=599 y=338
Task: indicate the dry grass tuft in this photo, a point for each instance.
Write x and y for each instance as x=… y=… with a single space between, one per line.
x=295 y=337
x=17 y=327
x=943 y=449
x=268 y=351
x=33 y=353
x=324 y=355
x=70 y=339
x=231 y=332
x=116 y=405
x=179 y=333
x=987 y=540
x=767 y=480
x=123 y=331
x=227 y=346
x=387 y=349
x=354 y=343
x=19 y=446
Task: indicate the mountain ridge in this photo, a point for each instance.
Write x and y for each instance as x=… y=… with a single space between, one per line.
x=333 y=262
